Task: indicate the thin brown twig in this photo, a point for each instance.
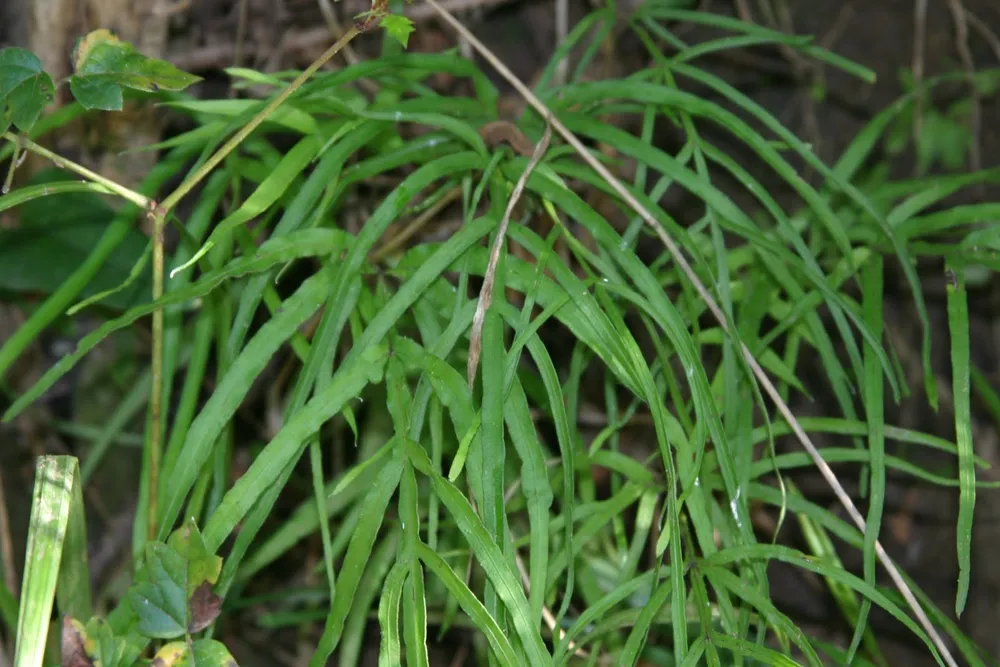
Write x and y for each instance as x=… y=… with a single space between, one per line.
x=743 y=11
x=486 y=293
x=241 y=32
x=717 y=313
x=547 y=615
x=336 y=31
x=562 y=28
x=984 y=31
x=154 y=452
x=299 y=41
x=167 y=9
x=460 y=655
x=959 y=16
x=917 y=66
x=415 y=225
x=7 y=546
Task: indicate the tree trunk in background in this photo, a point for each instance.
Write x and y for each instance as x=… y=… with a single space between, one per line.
x=50 y=28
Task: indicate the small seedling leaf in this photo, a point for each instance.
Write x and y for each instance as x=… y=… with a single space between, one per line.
x=25 y=88
x=104 y=65
x=399 y=27
x=202 y=653
x=202 y=565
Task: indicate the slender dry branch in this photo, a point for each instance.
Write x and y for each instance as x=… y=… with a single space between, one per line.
x=486 y=293
x=710 y=302
x=7 y=547
x=960 y=17
x=917 y=66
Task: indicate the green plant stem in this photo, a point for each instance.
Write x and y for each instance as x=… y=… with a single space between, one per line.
x=157 y=217
x=247 y=129
x=15 y=159
x=116 y=188
x=155 y=450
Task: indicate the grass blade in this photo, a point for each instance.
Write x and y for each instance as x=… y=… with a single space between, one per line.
x=56 y=556
x=358 y=553
x=958 y=326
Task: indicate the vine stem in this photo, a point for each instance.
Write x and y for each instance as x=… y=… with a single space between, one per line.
x=154 y=452
x=116 y=188
x=713 y=307
x=157 y=215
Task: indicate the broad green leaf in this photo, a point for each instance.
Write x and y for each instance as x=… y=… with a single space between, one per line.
x=159 y=594
x=25 y=88
x=103 y=65
x=173 y=594
x=210 y=653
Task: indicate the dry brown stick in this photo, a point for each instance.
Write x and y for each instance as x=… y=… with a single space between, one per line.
x=919 y=38
x=7 y=546
x=984 y=31
x=167 y=9
x=743 y=11
x=336 y=31
x=562 y=28
x=959 y=15
x=486 y=293
x=219 y=55
x=242 y=18
x=682 y=263
x=415 y=225
x=547 y=615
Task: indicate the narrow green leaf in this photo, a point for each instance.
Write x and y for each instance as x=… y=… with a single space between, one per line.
x=762 y=653
x=490 y=557
x=388 y=616
x=958 y=326
x=290 y=441
x=229 y=394
x=874 y=409
x=358 y=553
x=486 y=624
x=493 y=448
x=56 y=555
